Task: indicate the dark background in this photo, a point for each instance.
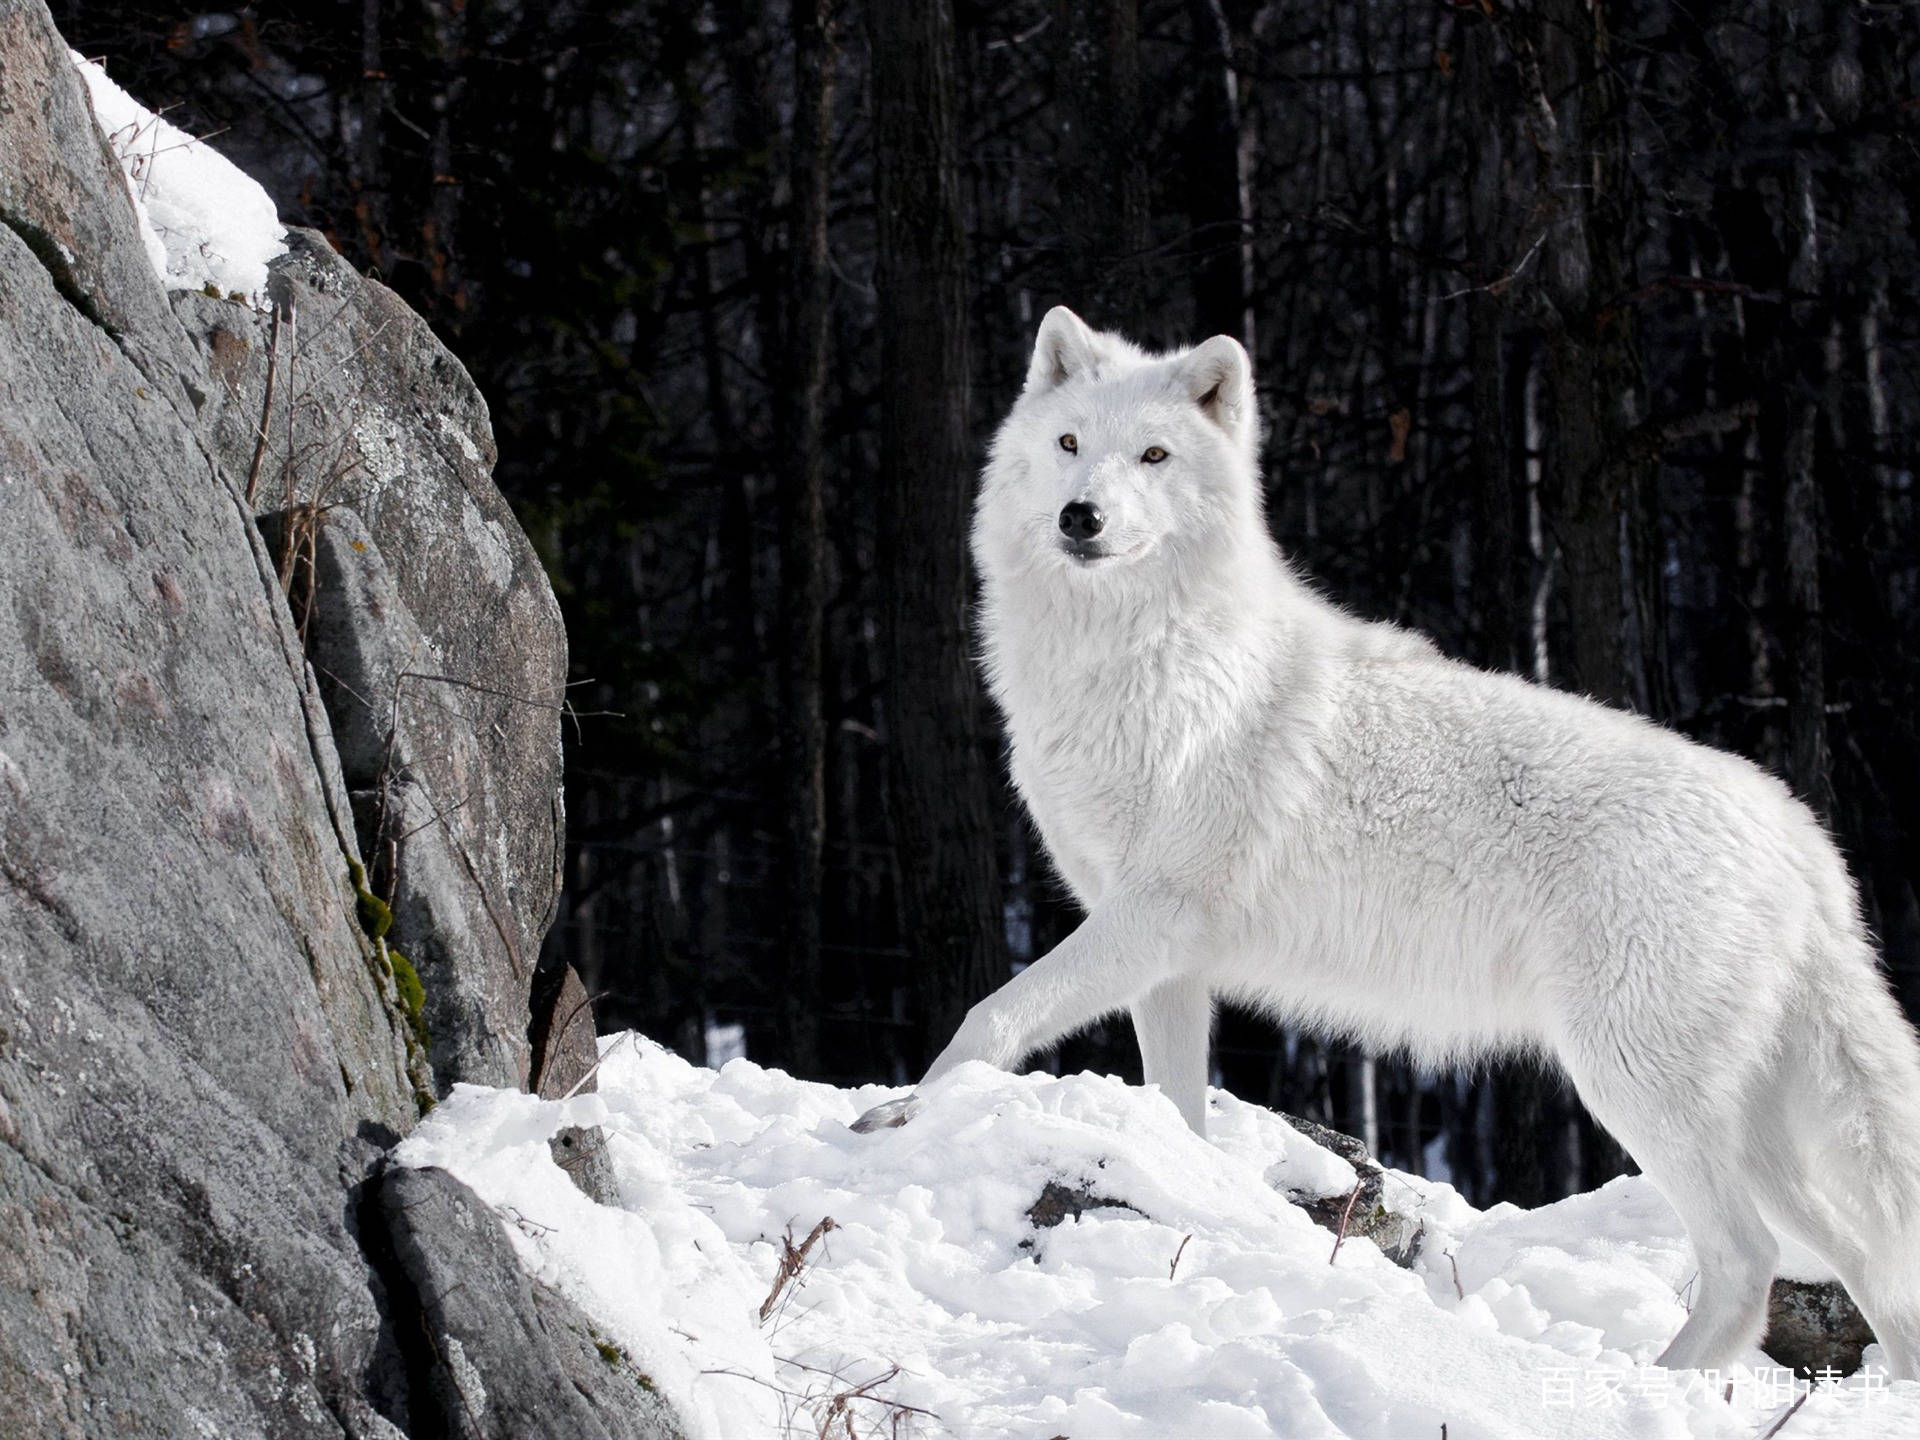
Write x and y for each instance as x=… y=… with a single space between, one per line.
x=1586 y=340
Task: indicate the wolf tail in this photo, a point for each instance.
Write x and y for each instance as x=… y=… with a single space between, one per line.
x=1849 y=1179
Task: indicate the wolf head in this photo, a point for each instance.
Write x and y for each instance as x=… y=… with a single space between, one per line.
x=1113 y=458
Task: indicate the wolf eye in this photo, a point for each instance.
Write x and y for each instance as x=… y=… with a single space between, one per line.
x=1154 y=455
x=1070 y=444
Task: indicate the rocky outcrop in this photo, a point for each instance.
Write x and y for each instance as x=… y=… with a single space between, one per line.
x=435 y=638
x=207 y=1038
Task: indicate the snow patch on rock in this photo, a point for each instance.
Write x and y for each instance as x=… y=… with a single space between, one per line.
x=205 y=222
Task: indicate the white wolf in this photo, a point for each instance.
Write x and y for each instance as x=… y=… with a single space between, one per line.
x=1256 y=795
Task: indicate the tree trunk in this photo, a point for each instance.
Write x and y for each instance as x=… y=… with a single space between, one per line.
x=937 y=788
x=370 y=199
x=1103 y=178
x=1518 y=1155
x=440 y=240
x=1217 y=208
x=755 y=122
x=1599 y=491
x=1594 y=378
x=1807 y=753
x=803 y=534
x=1499 y=580
x=1363 y=1097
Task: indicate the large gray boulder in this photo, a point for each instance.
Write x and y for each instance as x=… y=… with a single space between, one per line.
x=436 y=638
x=191 y=1020
x=206 y=1041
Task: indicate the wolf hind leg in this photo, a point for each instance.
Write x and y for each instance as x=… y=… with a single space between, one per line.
x=1172 y=1022
x=1889 y=1296
x=1702 y=1177
x=1736 y=1254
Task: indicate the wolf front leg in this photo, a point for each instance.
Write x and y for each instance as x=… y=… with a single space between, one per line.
x=1173 y=1022
x=1125 y=948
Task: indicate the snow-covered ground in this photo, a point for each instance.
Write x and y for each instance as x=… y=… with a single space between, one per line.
x=935 y=1291
x=205 y=221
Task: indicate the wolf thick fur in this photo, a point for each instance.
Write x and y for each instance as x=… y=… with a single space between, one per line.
x=1256 y=795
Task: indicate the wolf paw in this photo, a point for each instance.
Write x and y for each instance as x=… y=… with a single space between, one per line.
x=885 y=1117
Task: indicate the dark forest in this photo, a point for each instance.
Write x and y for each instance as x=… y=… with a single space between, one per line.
x=1587 y=341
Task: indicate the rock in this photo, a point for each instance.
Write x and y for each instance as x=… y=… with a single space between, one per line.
x=565 y=1050
x=1368 y=1212
x=192 y=1020
x=361 y=640
x=206 y=1039
x=1059 y=1202
x=581 y=1151
x=1815 y=1326
x=399 y=758
x=65 y=196
x=429 y=617
x=491 y=1352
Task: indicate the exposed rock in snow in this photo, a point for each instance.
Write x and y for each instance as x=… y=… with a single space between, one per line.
x=563 y=1044
x=581 y=1151
x=491 y=1352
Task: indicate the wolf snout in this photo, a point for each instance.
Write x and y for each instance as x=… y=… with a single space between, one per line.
x=1080 y=522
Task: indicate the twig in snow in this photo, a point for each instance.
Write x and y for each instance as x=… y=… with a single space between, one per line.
x=840 y=1402
x=840 y=1406
x=1455 y=1265
x=1176 y=1256
x=594 y=1069
x=532 y=1229
x=792 y=1263
x=1340 y=1235
x=1793 y=1409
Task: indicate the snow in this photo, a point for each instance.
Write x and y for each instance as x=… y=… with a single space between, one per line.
x=205 y=222
x=1089 y=1329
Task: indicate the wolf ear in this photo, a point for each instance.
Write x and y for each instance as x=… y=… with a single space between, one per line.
x=1065 y=348
x=1219 y=377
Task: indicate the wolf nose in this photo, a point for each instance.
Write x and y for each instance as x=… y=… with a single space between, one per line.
x=1081 y=521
